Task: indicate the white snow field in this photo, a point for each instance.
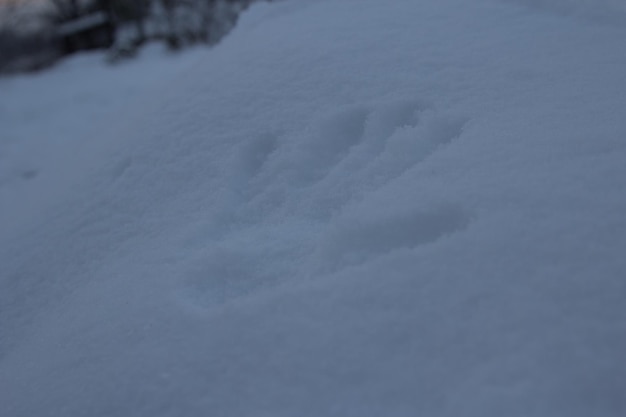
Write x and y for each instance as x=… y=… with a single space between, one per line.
x=350 y=208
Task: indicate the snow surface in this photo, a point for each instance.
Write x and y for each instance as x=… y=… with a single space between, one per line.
x=348 y=208
x=50 y=122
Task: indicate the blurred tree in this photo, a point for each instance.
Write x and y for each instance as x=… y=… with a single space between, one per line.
x=65 y=10
x=26 y=42
x=135 y=11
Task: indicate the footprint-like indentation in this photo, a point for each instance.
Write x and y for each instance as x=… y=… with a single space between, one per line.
x=356 y=241
x=343 y=130
x=332 y=139
x=412 y=145
x=242 y=263
x=287 y=201
x=388 y=118
x=275 y=176
x=255 y=154
x=394 y=137
x=397 y=138
x=217 y=277
x=370 y=129
x=409 y=146
x=444 y=129
x=121 y=167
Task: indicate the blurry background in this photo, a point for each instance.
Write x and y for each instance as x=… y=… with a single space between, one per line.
x=34 y=34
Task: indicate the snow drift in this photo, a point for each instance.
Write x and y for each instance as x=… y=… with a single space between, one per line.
x=348 y=208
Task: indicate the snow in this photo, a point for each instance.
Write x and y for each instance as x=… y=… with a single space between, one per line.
x=51 y=122
x=347 y=208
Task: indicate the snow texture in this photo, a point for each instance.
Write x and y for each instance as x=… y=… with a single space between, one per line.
x=347 y=208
